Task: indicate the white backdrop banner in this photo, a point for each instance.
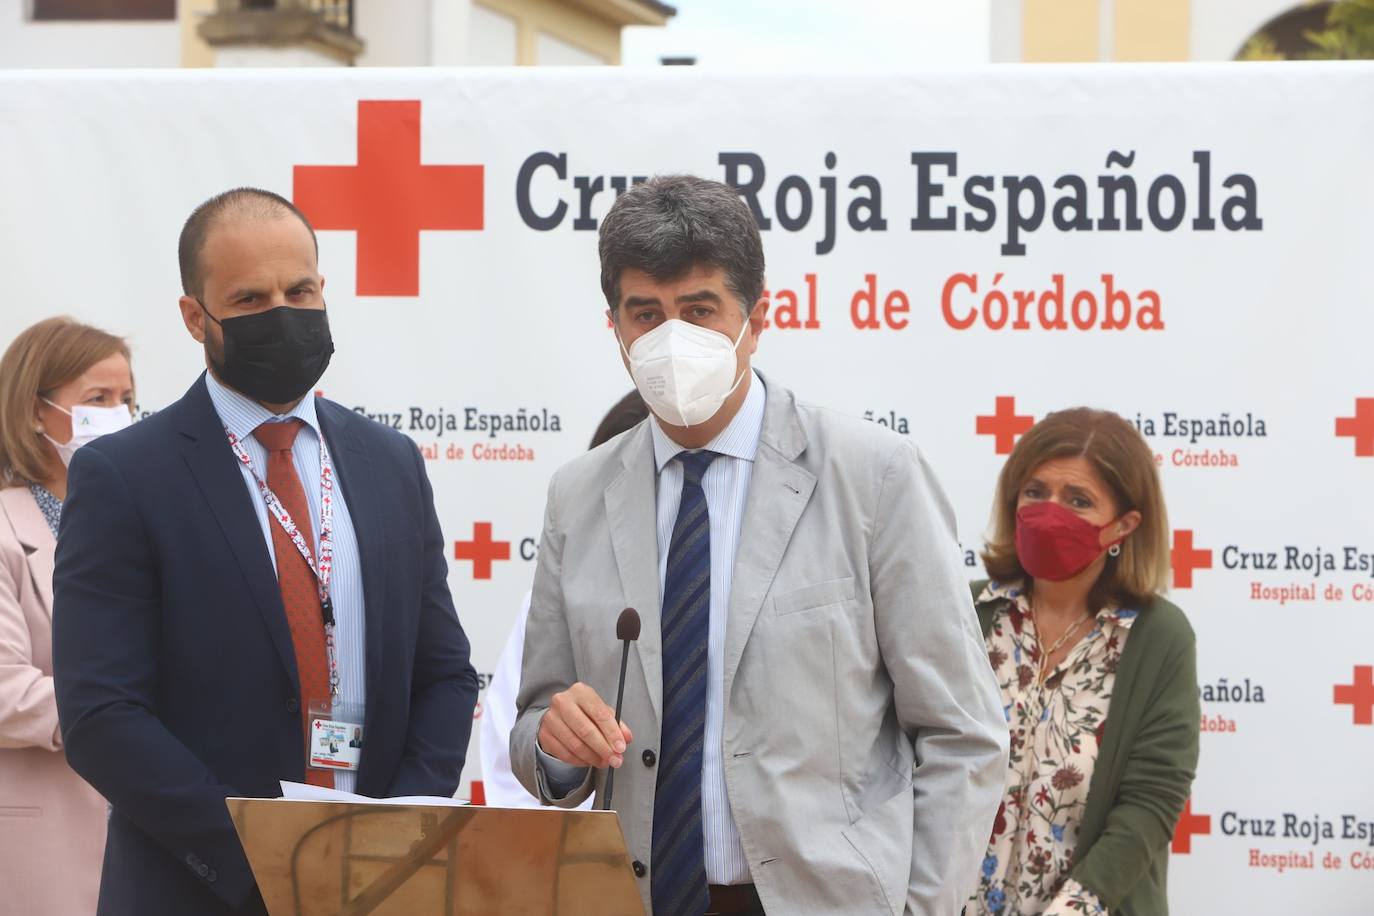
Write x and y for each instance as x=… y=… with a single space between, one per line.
x=952 y=255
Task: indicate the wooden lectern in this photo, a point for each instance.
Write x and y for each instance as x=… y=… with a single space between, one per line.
x=325 y=858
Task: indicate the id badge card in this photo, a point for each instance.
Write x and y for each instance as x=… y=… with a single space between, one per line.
x=335 y=736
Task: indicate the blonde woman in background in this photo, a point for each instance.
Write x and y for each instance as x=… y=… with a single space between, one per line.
x=62 y=384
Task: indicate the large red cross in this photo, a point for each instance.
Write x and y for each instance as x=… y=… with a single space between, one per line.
x=389 y=197
x=1004 y=425
x=1359 y=695
x=1184 y=559
x=1190 y=825
x=1359 y=427
x=481 y=550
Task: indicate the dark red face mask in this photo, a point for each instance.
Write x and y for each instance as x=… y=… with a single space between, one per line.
x=1054 y=544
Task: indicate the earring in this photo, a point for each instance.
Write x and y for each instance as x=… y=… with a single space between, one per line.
x=1114 y=550
x=38 y=430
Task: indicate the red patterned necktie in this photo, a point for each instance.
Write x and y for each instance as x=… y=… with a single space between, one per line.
x=299 y=591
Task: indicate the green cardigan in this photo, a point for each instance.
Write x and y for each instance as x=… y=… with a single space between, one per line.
x=1145 y=764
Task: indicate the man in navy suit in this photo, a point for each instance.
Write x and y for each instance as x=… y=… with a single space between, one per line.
x=240 y=565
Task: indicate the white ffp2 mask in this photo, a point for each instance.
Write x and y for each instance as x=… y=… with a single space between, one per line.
x=89 y=423
x=684 y=372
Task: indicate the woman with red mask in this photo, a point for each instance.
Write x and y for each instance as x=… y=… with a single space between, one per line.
x=1098 y=675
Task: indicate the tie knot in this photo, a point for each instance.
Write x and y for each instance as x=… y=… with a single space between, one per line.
x=694 y=465
x=278 y=436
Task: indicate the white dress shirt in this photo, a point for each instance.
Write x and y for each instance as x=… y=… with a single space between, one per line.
x=242 y=415
x=726 y=484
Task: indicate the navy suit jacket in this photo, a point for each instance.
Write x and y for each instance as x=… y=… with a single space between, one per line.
x=175 y=673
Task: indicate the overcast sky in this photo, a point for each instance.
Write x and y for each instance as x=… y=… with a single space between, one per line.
x=817 y=34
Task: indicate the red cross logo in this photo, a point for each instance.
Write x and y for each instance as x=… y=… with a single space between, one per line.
x=1190 y=825
x=481 y=550
x=1183 y=559
x=1004 y=425
x=1359 y=427
x=388 y=198
x=1359 y=695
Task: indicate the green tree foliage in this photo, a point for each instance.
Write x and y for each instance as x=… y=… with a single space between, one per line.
x=1349 y=35
x=1260 y=47
x=1349 y=32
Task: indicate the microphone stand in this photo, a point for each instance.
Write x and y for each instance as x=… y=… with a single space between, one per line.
x=627 y=631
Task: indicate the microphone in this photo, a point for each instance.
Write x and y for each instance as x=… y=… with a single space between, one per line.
x=627 y=631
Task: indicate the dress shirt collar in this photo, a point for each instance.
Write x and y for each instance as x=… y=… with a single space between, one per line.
x=243 y=415
x=740 y=439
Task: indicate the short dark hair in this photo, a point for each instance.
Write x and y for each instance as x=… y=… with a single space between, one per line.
x=671 y=223
x=237 y=203
x=628 y=412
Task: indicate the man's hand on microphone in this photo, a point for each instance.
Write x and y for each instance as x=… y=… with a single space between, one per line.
x=580 y=729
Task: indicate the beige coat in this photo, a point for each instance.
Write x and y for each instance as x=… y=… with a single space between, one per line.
x=864 y=743
x=52 y=824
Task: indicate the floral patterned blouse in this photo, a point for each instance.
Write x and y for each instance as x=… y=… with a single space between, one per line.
x=48 y=504
x=1055 y=730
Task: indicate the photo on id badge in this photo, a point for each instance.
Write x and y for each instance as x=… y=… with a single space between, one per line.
x=335 y=739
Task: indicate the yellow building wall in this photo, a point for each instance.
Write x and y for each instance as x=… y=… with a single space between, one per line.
x=1059 y=30
x=1140 y=30
x=1151 y=30
x=563 y=21
x=194 y=51
x=552 y=17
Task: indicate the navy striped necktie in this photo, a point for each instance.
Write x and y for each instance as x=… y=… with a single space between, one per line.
x=678 y=883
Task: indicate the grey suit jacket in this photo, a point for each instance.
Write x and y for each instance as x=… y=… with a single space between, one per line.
x=864 y=742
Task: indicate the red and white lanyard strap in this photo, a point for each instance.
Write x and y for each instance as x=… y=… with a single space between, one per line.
x=324 y=569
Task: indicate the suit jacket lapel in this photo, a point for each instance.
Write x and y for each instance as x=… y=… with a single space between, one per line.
x=353 y=464
x=32 y=531
x=207 y=453
x=779 y=491
x=41 y=565
x=631 y=508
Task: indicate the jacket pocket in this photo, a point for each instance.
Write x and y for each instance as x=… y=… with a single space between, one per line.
x=7 y=811
x=882 y=838
x=808 y=597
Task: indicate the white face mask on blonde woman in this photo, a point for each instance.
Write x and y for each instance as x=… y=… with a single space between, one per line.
x=88 y=424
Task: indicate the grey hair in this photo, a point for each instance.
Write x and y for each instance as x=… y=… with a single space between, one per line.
x=672 y=223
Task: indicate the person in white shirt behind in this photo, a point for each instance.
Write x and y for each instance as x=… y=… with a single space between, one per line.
x=501 y=787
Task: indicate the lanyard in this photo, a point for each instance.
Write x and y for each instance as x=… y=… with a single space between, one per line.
x=325 y=568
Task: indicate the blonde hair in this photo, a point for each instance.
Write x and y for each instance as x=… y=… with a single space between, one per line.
x=42 y=359
x=1126 y=464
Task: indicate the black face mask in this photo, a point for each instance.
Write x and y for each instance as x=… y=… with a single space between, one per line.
x=275 y=356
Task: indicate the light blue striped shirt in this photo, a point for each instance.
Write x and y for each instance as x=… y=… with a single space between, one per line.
x=243 y=415
x=726 y=484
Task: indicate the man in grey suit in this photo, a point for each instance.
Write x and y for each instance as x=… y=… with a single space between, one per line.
x=810 y=722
